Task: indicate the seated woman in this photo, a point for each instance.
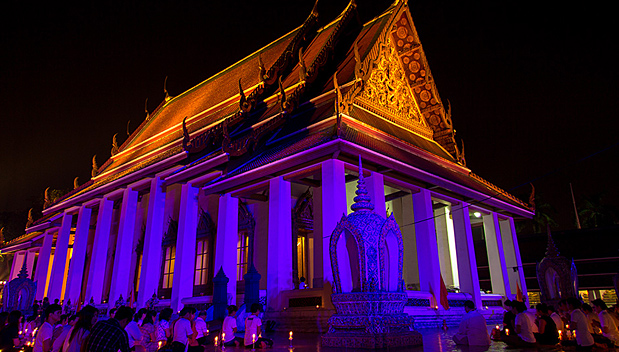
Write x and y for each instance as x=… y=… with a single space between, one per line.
x=523 y=335
x=548 y=334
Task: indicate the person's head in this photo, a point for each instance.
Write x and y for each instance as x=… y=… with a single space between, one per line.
x=202 y=314
x=551 y=309
x=232 y=309
x=123 y=315
x=53 y=313
x=587 y=308
x=256 y=308
x=573 y=304
x=165 y=314
x=563 y=305
x=188 y=313
x=45 y=299
x=302 y=279
x=63 y=319
x=56 y=301
x=148 y=317
x=508 y=305
x=469 y=306
x=518 y=307
x=141 y=314
x=599 y=305
x=542 y=309
x=112 y=312
x=86 y=318
x=14 y=318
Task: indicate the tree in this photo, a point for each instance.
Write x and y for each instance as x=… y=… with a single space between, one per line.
x=594 y=213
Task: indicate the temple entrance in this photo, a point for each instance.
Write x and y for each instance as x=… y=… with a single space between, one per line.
x=302 y=239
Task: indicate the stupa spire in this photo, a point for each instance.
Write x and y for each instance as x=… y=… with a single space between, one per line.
x=551 y=248
x=363 y=202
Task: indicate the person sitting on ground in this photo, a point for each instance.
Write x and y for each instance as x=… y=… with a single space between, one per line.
x=201 y=328
x=302 y=284
x=253 y=328
x=523 y=330
x=110 y=335
x=508 y=317
x=9 y=334
x=183 y=330
x=44 y=339
x=592 y=318
x=59 y=341
x=133 y=331
x=229 y=328
x=76 y=339
x=610 y=333
x=59 y=328
x=548 y=333
x=556 y=318
x=473 y=330
x=163 y=327
x=580 y=323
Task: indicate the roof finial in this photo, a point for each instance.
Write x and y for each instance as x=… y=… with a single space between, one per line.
x=551 y=249
x=363 y=202
x=165 y=90
x=95 y=167
x=30 y=218
x=302 y=69
x=47 y=200
x=261 y=70
x=128 y=134
x=2 y=236
x=146 y=109
x=114 y=145
x=532 y=197
x=75 y=184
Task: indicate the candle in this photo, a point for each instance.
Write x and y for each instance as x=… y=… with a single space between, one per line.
x=567 y=326
x=223 y=336
x=207 y=331
x=507 y=332
x=216 y=340
x=253 y=341
x=290 y=338
x=160 y=343
x=317 y=307
x=560 y=335
x=497 y=327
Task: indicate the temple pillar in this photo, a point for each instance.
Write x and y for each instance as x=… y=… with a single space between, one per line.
x=279 y=259
x=403 y=212
x=30 y=263
x=18 y=261
x=184 y=270
x=226 y=243
x=427 y=253
x=96 y=275
x=56 y=283
x=496 y=257
x=43 y=264
x=124 y=250
x=512 y=256
x=465 y=252
x=78 y=260
x=332 y=208
x=375 y=185
x=151 y=257
x=446 y=246
x=317 y=235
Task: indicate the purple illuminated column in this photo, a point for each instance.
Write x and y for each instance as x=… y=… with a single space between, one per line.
x=182 y=283
x=96 y=276
x=333 y=206
x=427 y=248
x=496 y=256
x=43 y=264
x=465 y=252
x=512 y=256
x=18 y=261
x=151 y=260
x=279 y=243
x=76 y=269
x=60 y=259
x=376 y=190
x=226 y=243
x=123 y=251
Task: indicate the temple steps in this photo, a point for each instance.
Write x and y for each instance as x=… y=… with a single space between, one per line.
x=314 y=321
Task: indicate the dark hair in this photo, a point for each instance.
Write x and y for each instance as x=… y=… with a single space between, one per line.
x=202 y=313
x=123 y=313
x=600 y=304
x=13 y=318
x=232 y=309
x=302 y=279
x=542 y=307
x=520 y=306
x=256 y=307
x=112 y=311
x=165 y=314
x=139 y=314
x=587 y=308
x=148 y=319
x=469 y=304
x=52 y=308
x=187 y=310
x=551 y=308
x=64 y=317
x=508 y=303
x=84 y=321
x=574 y=302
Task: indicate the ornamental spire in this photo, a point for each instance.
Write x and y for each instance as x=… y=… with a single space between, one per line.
x=363 y=202
x=551 y=248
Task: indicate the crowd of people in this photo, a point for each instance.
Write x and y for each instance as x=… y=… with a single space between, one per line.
x=573 y=324
x=49 y=330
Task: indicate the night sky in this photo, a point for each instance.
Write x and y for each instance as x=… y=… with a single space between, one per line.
x=533 y=89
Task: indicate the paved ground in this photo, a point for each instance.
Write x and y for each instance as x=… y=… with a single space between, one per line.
x=434 y=340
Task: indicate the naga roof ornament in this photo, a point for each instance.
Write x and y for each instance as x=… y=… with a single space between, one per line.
x=114 y=145
x=165 y=90
x=95 y=167
x=75 y=184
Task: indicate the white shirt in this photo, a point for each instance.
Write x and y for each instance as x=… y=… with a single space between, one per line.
x=200 y=327
x=473 y=326
x=134 y=332
x=557 y=319
x=228 y=328
x=44 y=333
x=251 y=327
x=57 y=346
x=182 y=329
x=532 y=317
x=583 y=337
x=608 y=322
x=526 y=327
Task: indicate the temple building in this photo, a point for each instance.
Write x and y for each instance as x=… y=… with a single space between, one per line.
x=256 y=165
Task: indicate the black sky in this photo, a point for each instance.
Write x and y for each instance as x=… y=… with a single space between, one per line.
x=533 y=88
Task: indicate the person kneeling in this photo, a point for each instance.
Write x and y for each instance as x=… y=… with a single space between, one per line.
x=472 y=330
x=524 y=328
x=229 y=329
x=253 y=328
